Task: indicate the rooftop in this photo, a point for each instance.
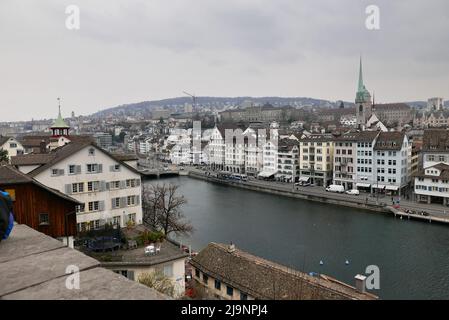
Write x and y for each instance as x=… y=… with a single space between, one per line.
x=390 y=141
x=436 y=140
x=263 y=279
x=33 y=266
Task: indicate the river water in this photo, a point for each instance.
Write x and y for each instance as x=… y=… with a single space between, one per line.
x=413 y=257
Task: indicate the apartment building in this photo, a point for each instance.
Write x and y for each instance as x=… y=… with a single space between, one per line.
x=288 y=161
x=365 y=172
x=109 y=189
x=316 y=160
x=345 y=157
x=392 y=158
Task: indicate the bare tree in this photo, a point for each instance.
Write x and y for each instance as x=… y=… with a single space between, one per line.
x=162 y=209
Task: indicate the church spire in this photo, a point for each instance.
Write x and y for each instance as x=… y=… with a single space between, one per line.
x=361 y=85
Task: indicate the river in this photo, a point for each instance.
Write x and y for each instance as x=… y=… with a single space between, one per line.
x=413 y=257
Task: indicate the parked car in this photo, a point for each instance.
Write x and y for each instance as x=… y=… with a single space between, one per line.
x=335 y=188
x=353 y=192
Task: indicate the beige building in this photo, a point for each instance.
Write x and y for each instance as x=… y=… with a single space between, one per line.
x=228 y=273
x=345 y=157
x=316 y=158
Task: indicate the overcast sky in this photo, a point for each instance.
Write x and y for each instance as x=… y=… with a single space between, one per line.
x=136 y=50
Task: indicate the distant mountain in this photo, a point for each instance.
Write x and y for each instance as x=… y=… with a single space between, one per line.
x=177 y=104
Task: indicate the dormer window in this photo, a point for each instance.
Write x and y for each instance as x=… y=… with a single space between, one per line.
x=91 y=151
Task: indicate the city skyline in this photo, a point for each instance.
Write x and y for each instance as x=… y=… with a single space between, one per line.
x=125 y=53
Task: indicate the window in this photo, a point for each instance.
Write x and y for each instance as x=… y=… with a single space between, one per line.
x=116 y=221
x=205 y=278
x=243 y=296
x=130 y=183
x=13 y=145
x=131 y=200
x=115 y=203
x=44 y=219
x=80 y=208
x=72 y=169
x=229 y=291
x=91 y=151
x=115 y=168
x=115 y=185
x=93 y=186
x=93 y=168
x=217 y=284
x=97 y=224
x=94 y=206
x=57 y=172
x=197 y=273
x=77 y=187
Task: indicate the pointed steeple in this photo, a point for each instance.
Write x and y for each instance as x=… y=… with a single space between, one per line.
x=361 y=85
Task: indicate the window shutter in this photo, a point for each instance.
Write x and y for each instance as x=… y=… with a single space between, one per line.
x=68 y=189
x=138 y=182
x=78 y=169
x=101 y=205
x=61 y=172
x=113 y=203
x=131 y=275
x=108 y=186
x=122 y=184
x=100 y=168
x=102 y=185
x=122 y=202
x=138 y=200
x=111 y=168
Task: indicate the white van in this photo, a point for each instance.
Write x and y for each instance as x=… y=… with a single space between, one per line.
x=335 y=188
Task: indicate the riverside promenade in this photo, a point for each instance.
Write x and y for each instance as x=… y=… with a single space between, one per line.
x=383 y=204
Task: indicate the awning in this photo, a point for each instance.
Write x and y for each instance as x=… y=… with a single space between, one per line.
x=266 y=174
x=279 y=175
x=392 y=188
x=379 y=186
x=304 y=179
x=363 y=185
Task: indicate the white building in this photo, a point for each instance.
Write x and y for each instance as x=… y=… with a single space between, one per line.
x=11 y=145
x=365 y=172
x=217 y=148
x=432 y=185
x=392 y=158
x=110 y=189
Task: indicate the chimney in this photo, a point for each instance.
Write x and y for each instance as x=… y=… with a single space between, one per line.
x=231 y=248
x=42 y=147
x=360 y=283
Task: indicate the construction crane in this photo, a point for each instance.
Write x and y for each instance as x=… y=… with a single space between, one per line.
x=193 y=98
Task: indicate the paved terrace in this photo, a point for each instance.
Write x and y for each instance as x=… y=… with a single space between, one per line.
x=33 y=266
